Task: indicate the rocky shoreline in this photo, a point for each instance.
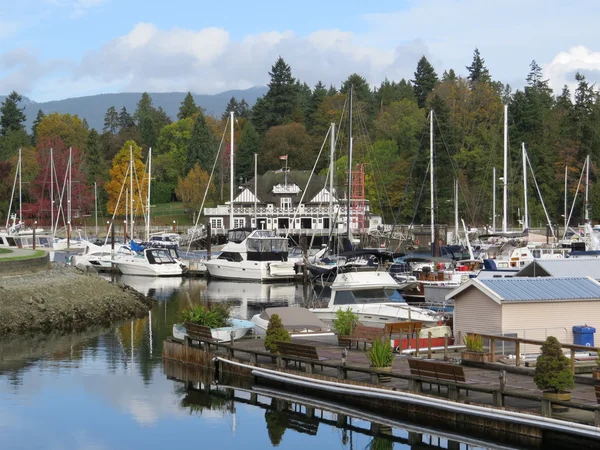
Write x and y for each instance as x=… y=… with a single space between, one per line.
x=63 y=298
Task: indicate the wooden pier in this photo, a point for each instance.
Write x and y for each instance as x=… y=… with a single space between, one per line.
x=511 y=402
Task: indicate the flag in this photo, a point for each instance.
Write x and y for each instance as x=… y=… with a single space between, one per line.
x=283 y=157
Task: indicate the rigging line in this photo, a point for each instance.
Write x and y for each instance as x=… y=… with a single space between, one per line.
x=371 y=152
x=575 y=197
x=540 y=194
x=420 y=195
x=209 y=181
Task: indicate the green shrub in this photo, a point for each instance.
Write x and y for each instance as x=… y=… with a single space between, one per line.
x=553 y=368
x=381 y=353
x=215 y=315
x=344 y=322
x=276 y=333
x=474 y=343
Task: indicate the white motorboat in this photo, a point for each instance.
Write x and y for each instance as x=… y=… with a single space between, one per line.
x=257 y=255
x=96 y=256
x=153 y=262
x=238 y=328
x=299 y=322
x=374 y=297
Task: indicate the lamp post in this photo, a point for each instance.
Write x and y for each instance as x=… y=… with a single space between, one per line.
x=34 y=227
x=174 y=226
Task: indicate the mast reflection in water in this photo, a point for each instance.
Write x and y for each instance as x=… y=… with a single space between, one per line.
x=109 y=389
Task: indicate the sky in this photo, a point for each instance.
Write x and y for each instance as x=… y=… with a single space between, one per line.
x=56 y=49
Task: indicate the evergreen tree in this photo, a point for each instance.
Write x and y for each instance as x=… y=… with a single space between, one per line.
x=449 y=75
x=244 y=109
x=318 y=95
x=360 y=86
x=95 y=166
x=111 y=121
x=249 y=144
x=302 y=108
x=282 y=95
x=12 y=117
x=232 y=105
x=125 y=120
x=34 y=127
x=424 y=82
x=477 y=69
x=144 y=108
x=331 y=91
x=202 y=147
x=260 y=111
x=188 y=107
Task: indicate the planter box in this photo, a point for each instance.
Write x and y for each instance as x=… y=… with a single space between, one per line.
x=596 y=373
x=384 y=378
x=474 y=357
x=563 y=396
x=344 y=341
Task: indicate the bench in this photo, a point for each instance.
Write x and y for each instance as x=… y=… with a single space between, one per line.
x=401 y=329
x=291 y=350
x=364 y=334
x=597 y=389
x=430 y=370
x=195 y=332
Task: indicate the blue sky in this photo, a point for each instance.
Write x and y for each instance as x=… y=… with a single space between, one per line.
x=54 y=49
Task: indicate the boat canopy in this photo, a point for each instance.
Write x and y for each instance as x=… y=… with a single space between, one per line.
x=238 y=235
x=373 y=295
x=295 y=318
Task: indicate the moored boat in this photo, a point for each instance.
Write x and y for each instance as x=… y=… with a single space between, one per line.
x=237 y=329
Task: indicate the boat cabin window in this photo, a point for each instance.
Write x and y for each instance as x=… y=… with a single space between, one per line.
x=237 y=236
x=231 y=256
x=375 y=295
x=159 y=256
x=265 y=245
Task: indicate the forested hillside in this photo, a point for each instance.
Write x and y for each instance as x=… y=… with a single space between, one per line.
x=391 y=137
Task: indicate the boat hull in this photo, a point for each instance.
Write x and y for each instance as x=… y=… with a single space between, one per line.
x=149 y=270
x=250 y=270
x=378 y=314
x=238 y=329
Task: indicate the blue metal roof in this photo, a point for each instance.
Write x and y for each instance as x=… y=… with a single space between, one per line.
x=543 y=288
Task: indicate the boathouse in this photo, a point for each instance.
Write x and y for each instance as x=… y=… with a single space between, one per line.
x=531 y=308
x=562 y=267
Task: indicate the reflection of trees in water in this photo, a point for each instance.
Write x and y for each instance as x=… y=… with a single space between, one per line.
x=277 y=420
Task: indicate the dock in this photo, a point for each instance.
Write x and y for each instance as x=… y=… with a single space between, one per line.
x=502 y=399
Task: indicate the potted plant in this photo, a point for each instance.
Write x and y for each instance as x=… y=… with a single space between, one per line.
x=275 y=333
x=343 y=324
x=212 y=316
x=474 y=352
x=381 y=356
x=553 y=374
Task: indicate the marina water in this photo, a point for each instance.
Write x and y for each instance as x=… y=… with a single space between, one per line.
x=109 y=389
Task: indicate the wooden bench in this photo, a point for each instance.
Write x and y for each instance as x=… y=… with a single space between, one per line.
x=292 y=350
x=198 y=333
x=597 y=389
x=402 y=329
x=364 y=334
x=429 y=371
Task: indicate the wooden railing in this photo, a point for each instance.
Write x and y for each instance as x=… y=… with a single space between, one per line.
x=518 y=341
x=499 y=393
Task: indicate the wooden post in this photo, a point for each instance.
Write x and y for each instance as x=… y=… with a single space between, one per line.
x=174 y=226
x=304 y=246
x=428 y=344
x=125 y=231
x=446 y=347
x=34 y=227
x=518 y=353
x=492 y=350
x=417 y=346
x=546 y=408
x=573 y=361
x=68 y=236
x=208 y=240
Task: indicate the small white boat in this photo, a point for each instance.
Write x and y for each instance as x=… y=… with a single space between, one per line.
x=299 y=322
x=238 y=329
x=153 y=262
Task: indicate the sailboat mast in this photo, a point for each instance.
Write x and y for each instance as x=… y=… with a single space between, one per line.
x=505 y=180
x=431 y=181
x=494 y=200
x=566 y=188
x=21 y=191
x=131 y=188
x=148 y=198
x=69 y=190
x=255 y=187
x=331 y=167
x=526 y=218
x=587 y=188
x=349 y=163
x=51 y=192
x=96 y=207
x=456 y=211
x=231 y=174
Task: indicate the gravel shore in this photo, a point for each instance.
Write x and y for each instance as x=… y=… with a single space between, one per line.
x=64 y=298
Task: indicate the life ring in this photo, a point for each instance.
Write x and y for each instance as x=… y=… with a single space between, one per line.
x=416 y=242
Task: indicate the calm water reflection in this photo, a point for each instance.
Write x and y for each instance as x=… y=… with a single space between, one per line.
x=108 y=389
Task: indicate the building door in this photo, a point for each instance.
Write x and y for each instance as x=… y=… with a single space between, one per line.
x=306 y=223
x=283 y=222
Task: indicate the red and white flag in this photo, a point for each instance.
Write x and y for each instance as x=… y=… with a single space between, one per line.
x=283 y=157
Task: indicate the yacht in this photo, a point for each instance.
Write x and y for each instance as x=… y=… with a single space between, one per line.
x=153 y=262
x=374 y=297
x=253 y=255
x=95 y=256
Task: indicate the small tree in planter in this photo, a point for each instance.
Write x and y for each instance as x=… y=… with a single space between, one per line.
x=343 y=324
x=474 y=351
x=381 y=355
x=275 y=333
x=553 y=371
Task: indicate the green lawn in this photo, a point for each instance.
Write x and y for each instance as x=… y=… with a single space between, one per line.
x=37 y=254
x=5 y=250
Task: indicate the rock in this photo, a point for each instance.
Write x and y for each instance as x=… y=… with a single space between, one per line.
x=41 y=306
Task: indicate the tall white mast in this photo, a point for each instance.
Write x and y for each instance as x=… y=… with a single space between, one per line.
x=566 y=188
x=131 y=189
x=255 y=186
x=51 y=192
x=69 y=189
x=587 y=188
x=331 y=168
x=526 y=217
x=431 y=178
x=21 y=191
x=96 y=207
x=494 y=200
x=231 y=175
x=348 y=202
x=456 y=211
x=148 y=198
x=505 y=180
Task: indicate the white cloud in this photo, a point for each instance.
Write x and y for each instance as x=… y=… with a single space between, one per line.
x=21 y=69
x=562 y=69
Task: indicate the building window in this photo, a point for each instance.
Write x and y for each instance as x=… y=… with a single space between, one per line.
x=239 y=222
x=286 y=203
x=216 y=222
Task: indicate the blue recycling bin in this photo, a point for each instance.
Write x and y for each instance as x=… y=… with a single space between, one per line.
x=583 y=335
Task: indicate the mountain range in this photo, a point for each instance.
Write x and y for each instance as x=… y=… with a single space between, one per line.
x=93 y=107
